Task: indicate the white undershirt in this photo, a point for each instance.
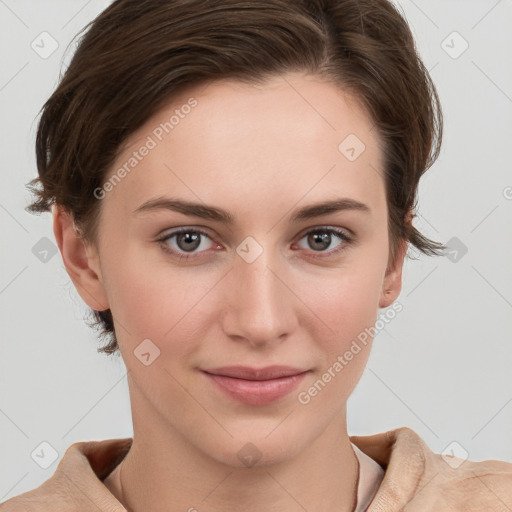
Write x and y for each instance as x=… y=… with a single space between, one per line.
x=370 y=477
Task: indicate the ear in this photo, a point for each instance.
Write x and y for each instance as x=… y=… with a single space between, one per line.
x=392 y=284
x=81 y=260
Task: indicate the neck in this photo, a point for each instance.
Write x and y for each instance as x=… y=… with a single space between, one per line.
x=163 y=471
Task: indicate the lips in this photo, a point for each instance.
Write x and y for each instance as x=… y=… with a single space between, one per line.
x=256 y=386
x=248 y=373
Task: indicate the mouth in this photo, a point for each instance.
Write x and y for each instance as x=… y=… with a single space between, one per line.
x=256 y=386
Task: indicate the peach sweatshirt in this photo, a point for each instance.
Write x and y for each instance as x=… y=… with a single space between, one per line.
x=398 y=472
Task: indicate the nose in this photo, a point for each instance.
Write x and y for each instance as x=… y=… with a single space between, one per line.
x=259 y=305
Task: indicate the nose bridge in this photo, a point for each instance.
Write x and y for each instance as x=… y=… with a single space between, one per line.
x=260 y=309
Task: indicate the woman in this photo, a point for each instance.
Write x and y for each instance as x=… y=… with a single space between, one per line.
x=284 y=142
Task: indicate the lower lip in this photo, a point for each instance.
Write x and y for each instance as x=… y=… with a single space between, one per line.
x=256 y=392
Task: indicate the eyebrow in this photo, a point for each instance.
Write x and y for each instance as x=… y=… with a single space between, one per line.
x=218 y=214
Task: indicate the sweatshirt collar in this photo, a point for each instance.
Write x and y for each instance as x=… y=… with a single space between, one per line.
x=414 y=477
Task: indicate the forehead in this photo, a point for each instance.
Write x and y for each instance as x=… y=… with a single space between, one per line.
x=290 y=137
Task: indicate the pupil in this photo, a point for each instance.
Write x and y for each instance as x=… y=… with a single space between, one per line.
x=189 y=238
x=323 y=239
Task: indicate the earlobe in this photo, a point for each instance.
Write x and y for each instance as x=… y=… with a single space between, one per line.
x=392 y=284
x=80 y=259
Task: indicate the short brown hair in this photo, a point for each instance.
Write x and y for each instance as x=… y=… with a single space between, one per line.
x=136 y=54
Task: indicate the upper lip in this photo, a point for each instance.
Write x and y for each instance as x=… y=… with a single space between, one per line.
x=248 y=373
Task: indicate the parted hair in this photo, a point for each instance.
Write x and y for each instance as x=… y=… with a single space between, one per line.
x=137 y=54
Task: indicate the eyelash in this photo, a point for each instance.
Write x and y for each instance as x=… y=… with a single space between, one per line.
x=342 y=235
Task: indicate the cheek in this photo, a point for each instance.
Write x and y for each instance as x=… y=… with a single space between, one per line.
x=346 y=300
x=347 y=308
x=153 y=300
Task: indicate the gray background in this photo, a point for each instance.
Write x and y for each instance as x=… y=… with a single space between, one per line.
x=441 y=367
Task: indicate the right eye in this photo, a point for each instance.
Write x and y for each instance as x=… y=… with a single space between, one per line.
x=185 y=242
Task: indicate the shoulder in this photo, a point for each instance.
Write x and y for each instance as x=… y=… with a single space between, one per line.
x=50 y=495
x=77 y=481
x=418 y=479
x=475 y=486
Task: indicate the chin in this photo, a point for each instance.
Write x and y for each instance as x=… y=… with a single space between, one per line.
x=261 y=444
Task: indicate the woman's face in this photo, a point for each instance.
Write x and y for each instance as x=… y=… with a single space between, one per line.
x=280 y=284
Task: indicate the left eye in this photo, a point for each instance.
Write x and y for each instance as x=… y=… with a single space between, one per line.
x=320 y=239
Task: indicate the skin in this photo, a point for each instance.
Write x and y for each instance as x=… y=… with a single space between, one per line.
x=259 y=152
